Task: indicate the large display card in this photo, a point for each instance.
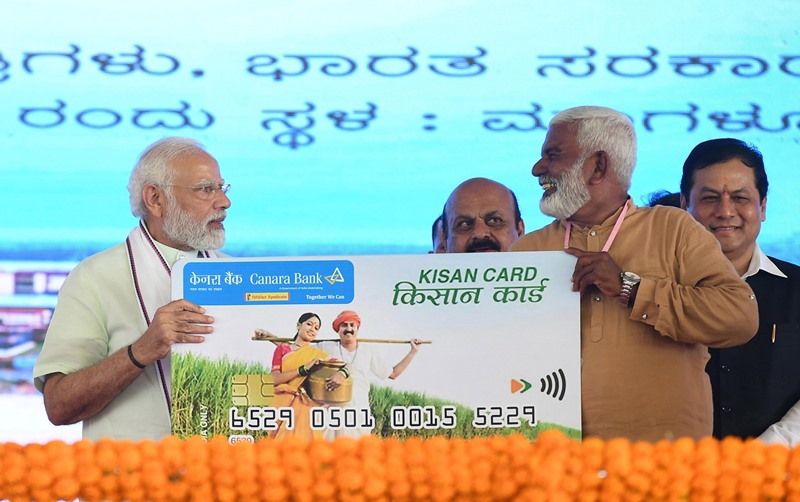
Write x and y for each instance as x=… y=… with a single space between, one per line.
x=497 y=346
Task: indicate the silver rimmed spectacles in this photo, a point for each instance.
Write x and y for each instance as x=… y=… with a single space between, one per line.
x=206 y=190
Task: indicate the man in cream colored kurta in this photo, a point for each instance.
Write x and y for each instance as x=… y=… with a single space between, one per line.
x=105 y=358
x=98 y=314
x=655 y=287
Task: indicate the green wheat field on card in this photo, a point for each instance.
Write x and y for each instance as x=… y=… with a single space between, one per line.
x=197 y=380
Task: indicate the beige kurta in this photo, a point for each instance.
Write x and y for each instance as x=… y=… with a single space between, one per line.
x=643 y=367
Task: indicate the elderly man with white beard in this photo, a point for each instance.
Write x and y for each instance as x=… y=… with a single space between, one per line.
x=655 y=288
x=106 y=355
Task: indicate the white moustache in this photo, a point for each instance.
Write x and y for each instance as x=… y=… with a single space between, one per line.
x=219 y=217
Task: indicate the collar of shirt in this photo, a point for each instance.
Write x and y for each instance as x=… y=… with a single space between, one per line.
x=759 y=262
x=608 y=222
x=172 y=255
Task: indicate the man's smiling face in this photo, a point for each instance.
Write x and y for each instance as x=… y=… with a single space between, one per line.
x=348 y=331
x=561 y=172
x=725 y=200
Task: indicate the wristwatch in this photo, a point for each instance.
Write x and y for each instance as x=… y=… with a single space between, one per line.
x=629 y=281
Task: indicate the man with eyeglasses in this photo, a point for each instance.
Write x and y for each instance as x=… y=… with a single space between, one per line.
x=105 y=359
x=481 y=215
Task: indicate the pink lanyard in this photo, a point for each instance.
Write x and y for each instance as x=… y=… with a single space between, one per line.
x=611 y=237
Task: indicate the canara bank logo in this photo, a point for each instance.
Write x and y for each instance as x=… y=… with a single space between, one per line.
x=336 y=276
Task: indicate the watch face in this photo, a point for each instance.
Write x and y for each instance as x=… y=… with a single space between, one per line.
x=630 y=276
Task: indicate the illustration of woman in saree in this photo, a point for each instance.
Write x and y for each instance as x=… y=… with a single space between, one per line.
x=291 y=364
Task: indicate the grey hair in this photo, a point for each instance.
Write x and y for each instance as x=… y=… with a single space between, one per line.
x=154 y=167
x=600 y=128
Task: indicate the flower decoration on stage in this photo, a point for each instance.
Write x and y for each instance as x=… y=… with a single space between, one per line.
x=371 y=469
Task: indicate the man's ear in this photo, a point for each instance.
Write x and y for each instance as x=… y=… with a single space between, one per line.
x=600 y=168
x=684 y=204
x=764 y=209
x=521 y=228
x=154 y=200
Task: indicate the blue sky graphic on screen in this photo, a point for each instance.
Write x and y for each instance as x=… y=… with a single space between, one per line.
x=342 y=127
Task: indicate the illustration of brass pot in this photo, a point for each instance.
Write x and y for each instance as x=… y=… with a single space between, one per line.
x=315 y=384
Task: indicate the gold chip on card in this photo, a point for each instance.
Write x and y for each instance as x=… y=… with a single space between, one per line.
x=253 y=390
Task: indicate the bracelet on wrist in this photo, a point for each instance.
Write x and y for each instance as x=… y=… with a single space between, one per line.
x=133 y=359
x=302 y=371
x=344 y=371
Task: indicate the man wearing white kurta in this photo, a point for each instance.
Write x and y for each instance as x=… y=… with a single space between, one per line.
x=105 y=359
x=363 y=363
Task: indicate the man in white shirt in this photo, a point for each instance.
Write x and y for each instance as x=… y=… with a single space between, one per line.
x=363 y=363
x=755 y=385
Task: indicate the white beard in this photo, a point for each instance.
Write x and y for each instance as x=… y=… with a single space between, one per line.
x=571 y=193
x=181 y=226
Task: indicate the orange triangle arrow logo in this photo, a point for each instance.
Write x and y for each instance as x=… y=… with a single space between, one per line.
x=520 y=385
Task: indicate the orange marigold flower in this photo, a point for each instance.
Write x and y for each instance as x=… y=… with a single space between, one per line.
x=553 y=468
x=66 y=489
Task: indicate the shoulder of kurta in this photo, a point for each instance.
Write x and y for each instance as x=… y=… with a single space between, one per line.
x=538 y=240
x=100 y=262
x=672 y=216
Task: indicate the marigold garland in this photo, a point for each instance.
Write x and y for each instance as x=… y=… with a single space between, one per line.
x=553 y=468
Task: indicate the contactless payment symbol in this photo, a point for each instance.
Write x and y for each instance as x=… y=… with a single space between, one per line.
x=554 y=385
